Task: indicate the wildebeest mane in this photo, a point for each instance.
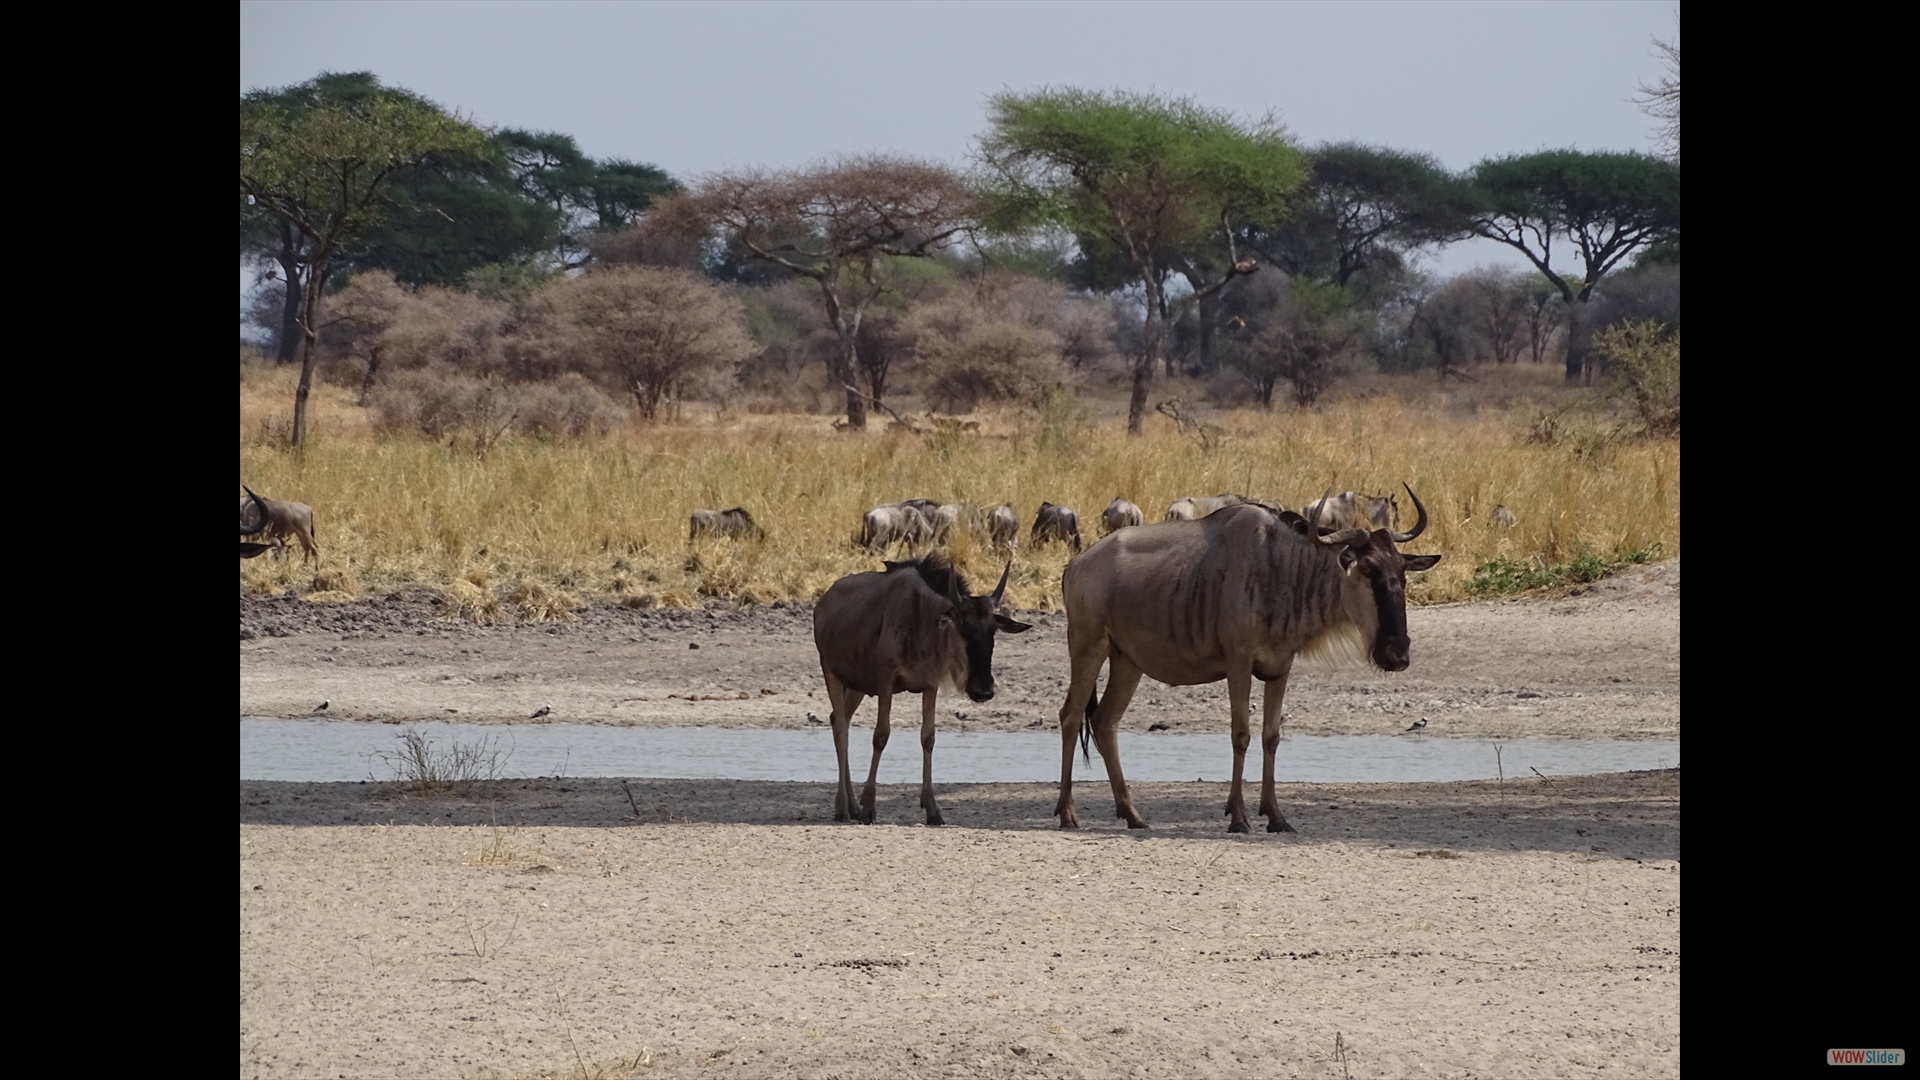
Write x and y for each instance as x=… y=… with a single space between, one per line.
x=936 y=569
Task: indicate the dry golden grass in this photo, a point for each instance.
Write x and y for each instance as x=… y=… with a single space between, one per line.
x=605 y=519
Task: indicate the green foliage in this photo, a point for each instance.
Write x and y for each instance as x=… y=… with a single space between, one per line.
x=1504 y=576
x=1095 y=162
x=1607 y=204
x=1362 y=208
x=1646 y=362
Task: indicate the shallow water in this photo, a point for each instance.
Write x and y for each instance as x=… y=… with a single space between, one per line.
x=336 y=750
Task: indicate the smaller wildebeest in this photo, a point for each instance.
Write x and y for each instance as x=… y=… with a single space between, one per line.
x=282 y=520
x=1003 y=528
x=895 y=523
x=734 y=524
x=1118 y=515
x=1055 y=523
x=947 y=518
x=1503 y=517
x=1352 y=510
x=1193 y=509
x=904 y=631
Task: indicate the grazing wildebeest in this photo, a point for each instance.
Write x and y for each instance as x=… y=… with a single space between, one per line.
x=282 y=519
x=1503 y=517
x=1055 y=522
x=946 y=518
x=1352 y=510
x=1003 y=528
x=1119 y=514
x=1192 y=509
x=904 y=631
x=259 y=518
x=1235 y=596
x=734 y=524
x=893 y=523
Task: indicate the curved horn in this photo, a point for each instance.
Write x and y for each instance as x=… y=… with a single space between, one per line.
x=259 y=504
x=1419 y=526
x=1000 y=589
x=1313 y=516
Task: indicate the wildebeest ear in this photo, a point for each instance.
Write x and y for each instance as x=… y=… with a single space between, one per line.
x=1421 y=562
x=1348 y=557
x=1294 y=521
x=1009 y=625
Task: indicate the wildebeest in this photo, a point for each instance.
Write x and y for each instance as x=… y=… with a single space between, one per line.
x=946 y=518
x=1503 y=517
x=1119 y=514
x=1192 y=509
x=1235 y=596
x=893 y=523
x=904 y=631
x=734 y=524
x=1352 y=510
x=1055 y=522
x=281 y=520
x=252 y=524
x=1003 y=528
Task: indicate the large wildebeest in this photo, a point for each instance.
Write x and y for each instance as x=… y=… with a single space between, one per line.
x=281 y=520
x=1193 y=509
x=252 y=524
x=1352 y=510
x=734 y=524
x=893 y=523
x=1055 y=523
x=1119 y=514
x=1235 y=596
x=1003 y=528
x=904 y=631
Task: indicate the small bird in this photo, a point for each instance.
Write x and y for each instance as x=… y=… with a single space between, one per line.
x=322 y=707
x=812 y=719
x=544 y=710
x=1417 y=725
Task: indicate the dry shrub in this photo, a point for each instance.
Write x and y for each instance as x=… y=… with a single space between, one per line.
x=536 y=602
x=640 y=601
x=570 y=405
x=438 y=402
x=340 y=581
x=677 y=598
x=330 y=596
x=463 y=601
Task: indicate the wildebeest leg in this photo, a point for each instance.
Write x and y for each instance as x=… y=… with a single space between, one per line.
x=844 y=700
x=1123 y=677
x=1239 y=696
x=926 y=759
x=1269 y=743
x=1085 y=653
x=881 y=729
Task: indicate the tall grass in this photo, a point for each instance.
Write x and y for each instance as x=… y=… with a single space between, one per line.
x=606 y=517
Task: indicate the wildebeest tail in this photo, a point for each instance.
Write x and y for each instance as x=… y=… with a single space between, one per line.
x=1086 y=725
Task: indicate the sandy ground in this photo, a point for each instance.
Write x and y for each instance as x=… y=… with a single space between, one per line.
x=1605 y=663
x=728 y=928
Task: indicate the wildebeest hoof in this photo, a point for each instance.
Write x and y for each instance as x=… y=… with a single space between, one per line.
x=936 y=819
x=1137 y=823
x=1238 y=826
x=1278 y=824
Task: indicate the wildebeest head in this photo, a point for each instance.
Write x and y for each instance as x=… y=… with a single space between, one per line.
x=1376 y=573
x=969 y=625
x=260 y=515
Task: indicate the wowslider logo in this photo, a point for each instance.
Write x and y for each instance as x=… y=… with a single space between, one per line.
x=1866 y=1057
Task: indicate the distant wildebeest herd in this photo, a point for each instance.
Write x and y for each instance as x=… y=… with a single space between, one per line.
x=1222 y=587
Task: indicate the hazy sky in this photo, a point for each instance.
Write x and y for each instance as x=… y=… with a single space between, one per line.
x=693 y=87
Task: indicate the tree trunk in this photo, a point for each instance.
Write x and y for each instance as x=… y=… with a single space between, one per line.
x=1575 y=357
x=1143 y=370
x=849 y=375
x=1209 y=314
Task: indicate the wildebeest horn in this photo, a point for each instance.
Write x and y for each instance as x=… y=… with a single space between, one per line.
x=1419 y=526
x=1000 y=589
x=260 y=505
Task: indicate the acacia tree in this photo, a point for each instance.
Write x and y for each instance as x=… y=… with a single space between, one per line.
x=1149 y=175
x=837 y=224
x=652 y=330
x=323 y=170
x=1605 y=205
